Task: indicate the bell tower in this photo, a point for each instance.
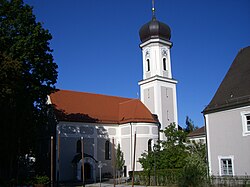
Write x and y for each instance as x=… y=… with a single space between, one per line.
x=158 y=88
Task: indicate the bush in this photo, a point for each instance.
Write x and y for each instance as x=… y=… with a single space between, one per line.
x=41 y=179
x=194 y=173
x=163 y=177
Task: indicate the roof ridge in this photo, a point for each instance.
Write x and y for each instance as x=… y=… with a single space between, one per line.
x=94 y=94
x=234 y=89
x=130 y=100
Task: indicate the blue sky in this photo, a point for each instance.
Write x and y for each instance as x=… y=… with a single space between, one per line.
x=96 y=45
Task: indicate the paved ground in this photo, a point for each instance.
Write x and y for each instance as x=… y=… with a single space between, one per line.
x=103 y=184
x=109 y=185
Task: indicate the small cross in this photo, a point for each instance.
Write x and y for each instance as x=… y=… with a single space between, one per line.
x=153 y=8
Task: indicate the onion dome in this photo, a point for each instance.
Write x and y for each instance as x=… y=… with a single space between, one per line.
x=155 y=29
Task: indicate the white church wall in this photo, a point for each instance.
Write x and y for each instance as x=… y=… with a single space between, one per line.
x=145 y=132
x=70 y=133
x=159 y=101
x=148 y=98
x=100 y=156
x=67 y=153
x=95 y=137
x=154 y=50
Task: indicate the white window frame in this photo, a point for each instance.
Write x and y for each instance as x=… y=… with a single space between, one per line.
x=244 y=115
x=220 y=158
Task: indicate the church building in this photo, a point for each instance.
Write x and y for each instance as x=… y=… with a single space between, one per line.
x=104 y=121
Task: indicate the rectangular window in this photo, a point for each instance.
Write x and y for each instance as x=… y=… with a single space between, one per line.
x=245 y=122
x=226 y=165
x=248 y=122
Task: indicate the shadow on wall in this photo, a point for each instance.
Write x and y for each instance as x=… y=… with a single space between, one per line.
x=61 y=115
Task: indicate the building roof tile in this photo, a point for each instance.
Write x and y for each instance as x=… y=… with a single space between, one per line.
x=97 y=108
x=198 y=132
x=234 y=91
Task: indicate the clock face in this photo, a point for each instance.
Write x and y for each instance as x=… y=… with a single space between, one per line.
x=147 y=54
x=164 y=52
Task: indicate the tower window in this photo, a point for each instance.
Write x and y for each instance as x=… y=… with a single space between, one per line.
x=107 y=150
x=164 y=64
x=148 y=65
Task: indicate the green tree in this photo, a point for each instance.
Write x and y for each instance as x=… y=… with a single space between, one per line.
x=174 y=137
x=170 y=155
x=194 y=172
x=190 y=127
x=28 y=74
x=119 y=160
x=147 y=161
x=174 y=149
x=176 y=153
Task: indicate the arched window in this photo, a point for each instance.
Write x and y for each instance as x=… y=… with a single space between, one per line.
x=78 y=146
x=107 y=150
x=149 y=145
x=164 y=64
x=148 y=65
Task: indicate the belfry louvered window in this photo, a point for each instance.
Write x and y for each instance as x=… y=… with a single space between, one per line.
x=148 y=65
x=164 y=64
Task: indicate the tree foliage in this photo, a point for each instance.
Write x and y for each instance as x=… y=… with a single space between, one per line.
x=176 y=153
x=28 y=74
x=174 y=150
x=190 y=127
x=147 y=161
x=194 y=172
x=119 y=159
x=170 y=155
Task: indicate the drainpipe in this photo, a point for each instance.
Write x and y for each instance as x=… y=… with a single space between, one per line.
x=159 y=128
x=206 y=144
x=131 y=145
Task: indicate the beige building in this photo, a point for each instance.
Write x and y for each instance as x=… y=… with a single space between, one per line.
x=198 y=135
x=227 y=119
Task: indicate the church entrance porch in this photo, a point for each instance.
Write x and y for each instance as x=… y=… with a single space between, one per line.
x=89 y=170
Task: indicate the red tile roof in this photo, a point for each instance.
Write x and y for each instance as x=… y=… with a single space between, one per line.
x=96 y=108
